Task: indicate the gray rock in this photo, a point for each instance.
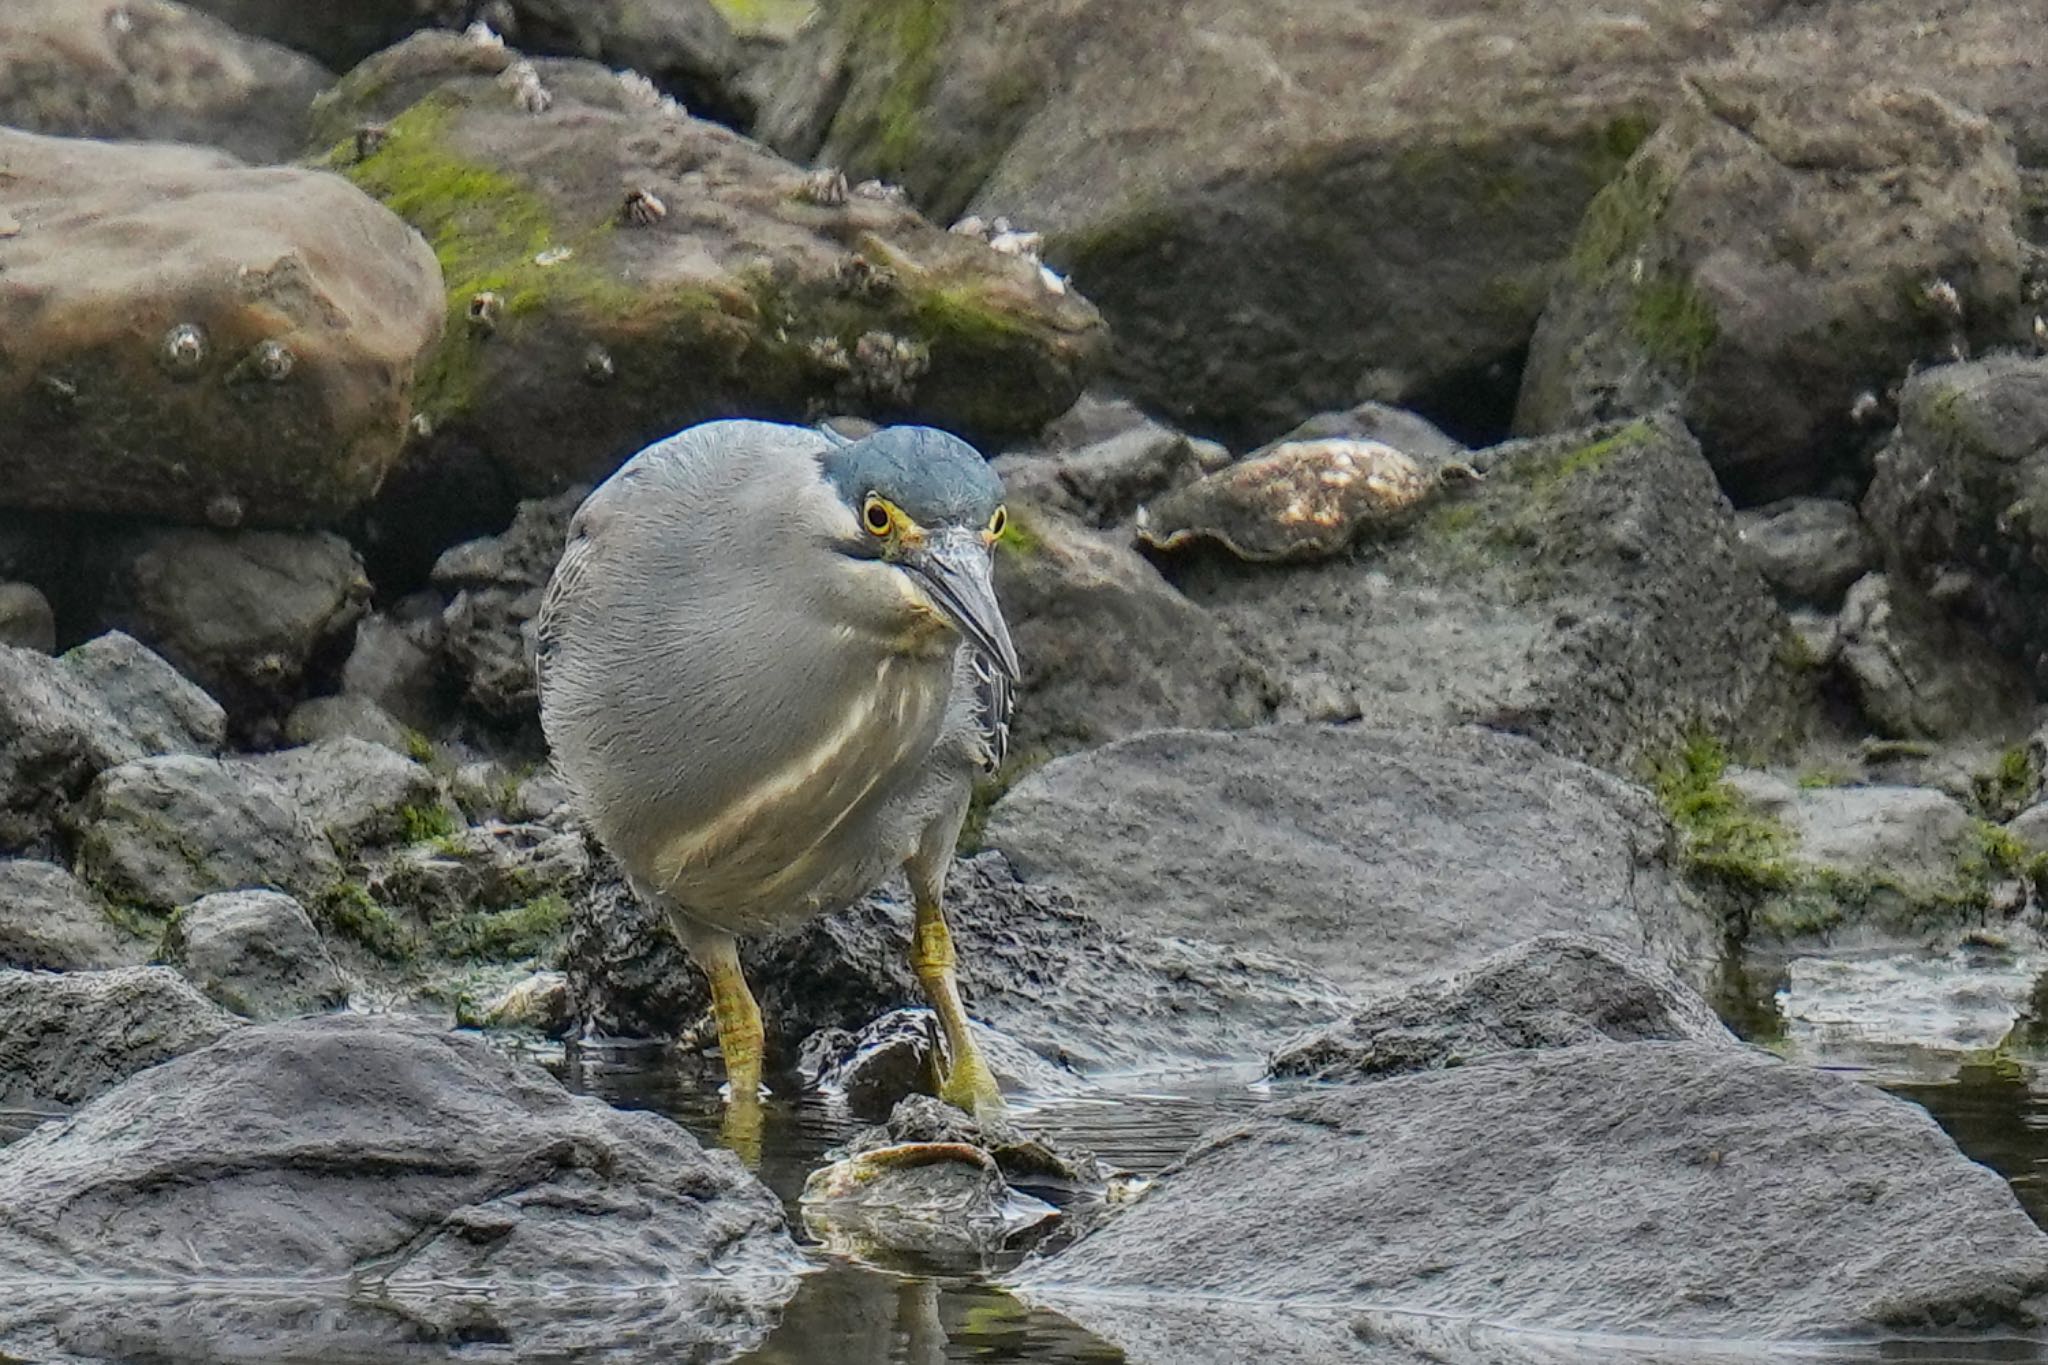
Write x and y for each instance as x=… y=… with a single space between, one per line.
x=26 y=621
x=900 y=1055
x=193 y=340
x=1105 y=482
x=345 y=717
x=685 y=46
x=245 y=613
x=64 y=721
x=1681 y=1191
x=944 y=1202
x=396 y=661
x=1917 y=672
x=486 y=867
x=156 y=72
x=1556 y=990
x=162 y=832
x=1903 y=834
x=50 y=922
x=1068 y=983
x=494 y=585
x=1777 y=253
x=356 y=792
x=68 y=1036
x=302 y=1161
x=1023 y=1159
x=1410 y=433
x=2030 y=827
x=1371 y=855
x=539 y=1003
x=256 y=953
x=1109 y=646
x=1809 y=549
x=1588 y=593
x=339 y=36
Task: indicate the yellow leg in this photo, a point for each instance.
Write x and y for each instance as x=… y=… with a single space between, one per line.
x=739 y=1040
x=968 y=1083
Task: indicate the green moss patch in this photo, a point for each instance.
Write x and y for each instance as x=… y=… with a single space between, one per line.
x=524 y=931
x=1672 y=320
x=347 y=910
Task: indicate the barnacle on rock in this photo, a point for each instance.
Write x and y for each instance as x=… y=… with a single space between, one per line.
x=370 y=137
x=828 y=353
x=184 y=350
x=484 y=311
x=862 y=278
x=647 y=95
x=825 y=187
x=527 y=91
x=887 y=367
x=598 y=366
x=224 y=511
x=642 y=208
x=483 y=35
x=273 y=360
x=973 y=225
x=882 y=190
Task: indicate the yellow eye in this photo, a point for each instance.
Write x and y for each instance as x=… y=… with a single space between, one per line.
x=876 y=517
x=999 y=523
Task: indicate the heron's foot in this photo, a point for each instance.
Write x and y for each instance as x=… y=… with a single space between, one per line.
x=969 y=1086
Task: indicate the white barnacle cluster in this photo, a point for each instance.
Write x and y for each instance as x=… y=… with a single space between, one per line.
x=645 y=94
x=184 y=350
x=481 y=34
x=825 y=187
x=527 y=91
x=1010 y=241
x=880 y=190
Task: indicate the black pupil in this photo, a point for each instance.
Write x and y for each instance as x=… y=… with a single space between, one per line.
x=878 y=516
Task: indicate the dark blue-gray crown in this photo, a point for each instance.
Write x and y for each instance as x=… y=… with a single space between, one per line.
x=934 y=476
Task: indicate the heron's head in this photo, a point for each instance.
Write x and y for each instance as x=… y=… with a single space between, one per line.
x=926 y=504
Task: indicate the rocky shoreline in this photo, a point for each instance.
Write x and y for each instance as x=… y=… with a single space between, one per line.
x=1493 y=562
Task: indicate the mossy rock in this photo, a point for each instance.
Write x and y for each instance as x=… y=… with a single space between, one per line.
x=580 y=328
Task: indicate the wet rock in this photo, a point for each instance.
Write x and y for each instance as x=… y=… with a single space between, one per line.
x=1808 y=549
x=1872 y=1009
x=1917 y=672
x=349 y=716
x=1068 y=983
x=1109 y=646
x=68 y=1036
x=1958 y=500
x=604 y=324
x=1410 y=433
x=1104 y=482
x=1588 y=592
x=942 y=1200
x=1761 y=1201
x=1462 y=842
x=479 y=1198
x=63 y=721
x=26 y=621
x=1214 y=182
x=495 y=586
x=245 y=613
x=539 y=1003
x=901 y=1054
x=396 y=661
x=239 y=349
x=358 y=793
x=1023 y=1158
x=162 y=832
x=1779 y=247
x=1556 y=990
x=50 y=922
x=256 y=953
x=154 y=71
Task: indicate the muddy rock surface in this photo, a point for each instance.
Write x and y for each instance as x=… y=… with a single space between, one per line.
x=199 y=341
x=360 y=1168
x=1368 y=854
x=1594 y=1189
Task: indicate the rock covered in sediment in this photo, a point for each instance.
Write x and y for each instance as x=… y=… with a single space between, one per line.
x=196 y=340
x=151 y=70
x=1672 y=1190
x=256 y=953
x=479 y=1197
x=1773 y=258
x=1587 y=591
x=358 y=793
x=1555 y=990
x=64 y=721
x=1368 y=854
x=617 y=270
x=66 y=1037
x=50 y=921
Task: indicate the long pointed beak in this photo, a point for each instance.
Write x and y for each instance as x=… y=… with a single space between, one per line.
x=957 y=572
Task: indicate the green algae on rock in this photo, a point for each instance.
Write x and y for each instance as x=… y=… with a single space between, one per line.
x=617 y=270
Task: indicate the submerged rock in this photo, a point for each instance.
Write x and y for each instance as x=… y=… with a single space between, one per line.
x=68 y=1036
x=1557 y=990
x=50 y=921
x=198 y=341
x=256 y=953
x=945 y=1201
x=1372 y=855
x=377 y=1180
x=1652 y=1190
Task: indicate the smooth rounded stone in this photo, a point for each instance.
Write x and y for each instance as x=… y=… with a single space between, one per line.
x=1371 y=855
x=1109 y=646
x=1956 y=498
x=1682 y=289
x=68 y=1036
x=538 y=1003
x=2030 y=827
x=1809 y=549
x=1918 y=672
x=494 y=586
x=162 y=832
x=63 y=721
x=943 y=1201
x=1907 y=834
x=154 y=71
x=479 y=1198
x=356 y=792
x=900 y=1054
x=1067 y=982
x=1669 y=1193
x=50 y=921
x=349 y=716
x=1587 y=591
x=1209 y=175
x=667 y=270
x=245 y=613
x=1555 y=990
x=1103 y=483
x=26 y=621
x=396 y=661
x=256 y=953
x=237 y=347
